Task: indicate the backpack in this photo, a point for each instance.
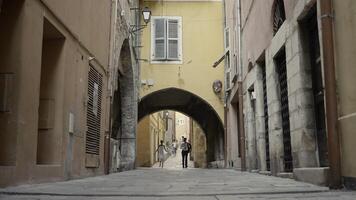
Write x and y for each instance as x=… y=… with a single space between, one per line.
x=189 y=147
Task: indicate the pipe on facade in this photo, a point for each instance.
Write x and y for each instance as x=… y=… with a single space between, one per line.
x=326 y=10
x=225 y=136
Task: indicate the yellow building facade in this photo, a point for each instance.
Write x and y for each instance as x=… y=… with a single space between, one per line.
x=150 y=131
x=176 y=69
x=183 y=128
x=200 y=47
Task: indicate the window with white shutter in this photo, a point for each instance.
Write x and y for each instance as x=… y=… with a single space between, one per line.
x=166 y=45
x=159 y=39
x=172 y=39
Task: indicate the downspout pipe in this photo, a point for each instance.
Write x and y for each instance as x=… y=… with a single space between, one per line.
x=241 y=127
x=225 y=136
x=326 y=10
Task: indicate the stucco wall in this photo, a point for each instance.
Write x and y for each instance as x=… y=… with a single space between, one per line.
x=345 y=50
x=182 y=126
x=91 y=25
x=199 y=146
x=201 y=48
x=24 y=59
x=144 y=143
x=150 y=131
x=257 y=32
x=260 y=45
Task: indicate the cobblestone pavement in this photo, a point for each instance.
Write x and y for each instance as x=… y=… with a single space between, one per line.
x=175 y=183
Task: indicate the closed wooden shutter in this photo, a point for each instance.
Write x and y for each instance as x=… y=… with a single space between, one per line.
x=159 y=39
x=95 y=82
x=173 y=39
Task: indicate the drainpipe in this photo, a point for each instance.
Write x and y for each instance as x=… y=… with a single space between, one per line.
x=225 y=136
x=241 y=128
x=330 y=92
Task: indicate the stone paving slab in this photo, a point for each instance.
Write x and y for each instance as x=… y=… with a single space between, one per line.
x=332 y=195
x=173 y=182
x=160 y=182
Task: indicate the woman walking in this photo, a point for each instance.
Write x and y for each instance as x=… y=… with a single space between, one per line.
x=161 y=149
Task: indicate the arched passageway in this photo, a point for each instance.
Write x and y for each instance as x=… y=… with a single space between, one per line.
x=193 y=106
x=169 y=127
x=124 y=112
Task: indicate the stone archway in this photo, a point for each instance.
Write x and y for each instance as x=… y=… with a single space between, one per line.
x=193 y=106
x=124 y=112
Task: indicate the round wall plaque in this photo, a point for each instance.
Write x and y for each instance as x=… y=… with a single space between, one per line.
x=217 y=86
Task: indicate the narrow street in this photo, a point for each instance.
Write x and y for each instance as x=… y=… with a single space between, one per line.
x=172 y=182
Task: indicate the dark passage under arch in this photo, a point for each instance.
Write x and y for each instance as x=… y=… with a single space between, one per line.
x=193 y=106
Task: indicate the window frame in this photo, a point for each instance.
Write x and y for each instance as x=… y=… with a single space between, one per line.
x=166 y=60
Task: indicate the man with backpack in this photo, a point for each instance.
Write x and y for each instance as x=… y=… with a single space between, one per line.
x=186 y=148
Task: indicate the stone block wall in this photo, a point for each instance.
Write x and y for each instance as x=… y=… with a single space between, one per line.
x=300 y=94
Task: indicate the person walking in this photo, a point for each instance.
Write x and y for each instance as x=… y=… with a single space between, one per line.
x=185 y=150
x=161 y=149
x=174 y=147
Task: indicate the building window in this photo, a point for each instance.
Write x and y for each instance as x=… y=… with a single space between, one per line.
x=281 y=66
x=279 y=15
x=166 y=39
x=50 y=95
x=310 y=29
x=265 y=109
x=95 y=82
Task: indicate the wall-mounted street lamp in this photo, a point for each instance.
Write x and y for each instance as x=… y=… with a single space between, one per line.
x=146 y=14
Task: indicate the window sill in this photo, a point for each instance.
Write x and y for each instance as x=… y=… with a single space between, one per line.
x=167 y=62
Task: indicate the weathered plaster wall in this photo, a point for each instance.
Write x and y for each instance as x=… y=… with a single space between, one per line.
x=201 y=48
x=345 y=74
x=93 y=30
x=145 y=146
x=199 y=146
x=85 y=35
x=259 y=45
